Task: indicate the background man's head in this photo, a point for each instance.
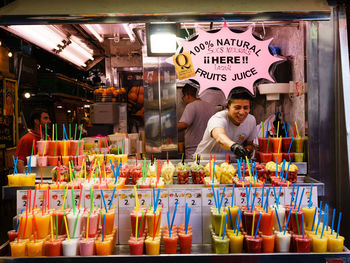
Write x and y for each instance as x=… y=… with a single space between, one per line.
x=39 y=116
x=238 y=105
x=189 y=93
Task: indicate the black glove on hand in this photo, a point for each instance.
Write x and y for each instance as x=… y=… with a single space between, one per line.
x=239 y=150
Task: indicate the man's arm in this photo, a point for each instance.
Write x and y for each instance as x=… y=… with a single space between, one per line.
x=182 y=126
x=219 y=134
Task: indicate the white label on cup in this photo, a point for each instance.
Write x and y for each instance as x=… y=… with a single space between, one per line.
x=56 y=198
x=177 y=196
x=22 y=200
x=145 y=197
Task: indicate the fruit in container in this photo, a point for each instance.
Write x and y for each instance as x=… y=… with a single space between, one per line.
x=228 y=171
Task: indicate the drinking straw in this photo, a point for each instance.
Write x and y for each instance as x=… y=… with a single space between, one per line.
x=87 y=226
x=169 y=227
x=262 y=195
x=310 y=202
x=248 y=196
x=278 y=128
x=279 y=144
x=262 y=129
x=188 y=219
x=279 y=194
x=67 y=231
x=285 y=228
x=282 y=170
x=14 y=164
x=104 y=201
x=291 y=199
x=233 y=193
x=301 y=198
x=29 y=164
x=290 y=145
x=301 y=140
x=154 y=221
x=216 y=204
x=274 y=192
x=103 y=228
x=109 y=208
x=239 y=221
x=333 y=216
x=313 y=221
x=136 y=224
x=156 y=204
x=64 y=197
x=222 y=196
x=273 y=133
x=172 y=220
x=75 y=225
x=51 y=223
x=118 y=146
x=285 y=130
x=252 y=206
x=256 y=172
x=73 y=200
x=257 y=227
x=239 y=169
x=296 y=197
x=64 y=132
x=45 y=131
x=302 y=218
x=234 y=229
x=123 y=143
x=34 y=199
x=278 y=220
x=296 y=219
x=319 y=220
x=267 y=130
x=53 y=131
x=229 y=211
x=213 y=174
x=224 y=232
x=70 y=129
x=218 y=195
x=56 y=131
x=41 y=133
x=339 y=219
x=267 y=200
x=91 y=198
x=79 y=141
x=253 y=223
x=138 y=234
x=276 y=166
x=137 y=203
x=324 y=218
x=285 y=179
x=249 y=170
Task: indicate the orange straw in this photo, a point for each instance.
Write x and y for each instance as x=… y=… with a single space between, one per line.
x=279 y=144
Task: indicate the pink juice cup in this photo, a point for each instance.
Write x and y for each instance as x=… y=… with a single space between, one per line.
x=40 y=146
x=42 y=160
x=93 y=223
x=87 y=247
x=74 y=144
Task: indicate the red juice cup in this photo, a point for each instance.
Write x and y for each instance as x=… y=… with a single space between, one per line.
x=287 y=156
x=294 y=221
x=87 y=247
x=52 y=160
x=303 y=245
x=265 y=157
x=74 y=146
x=268 y=243
x=12 y=234
x=285 y=144
x=133 y=221
x=263 y=145
x=136 y=246
x=277 y=155
x=293 y=243
x=286 y=213
x=170 y=244
x=53 y=247
x=60 y=224
x=248 y=219
x=266 y=223
x=51 y=148
x=277 y=145
x=185 y=241
x=254 y=244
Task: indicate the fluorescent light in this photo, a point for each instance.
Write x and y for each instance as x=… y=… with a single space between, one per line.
x=91 y=29
x=72 y=57
x=129 y=32
x=163 y=43
x=84 y=53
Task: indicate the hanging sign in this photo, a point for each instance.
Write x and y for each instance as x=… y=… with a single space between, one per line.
x=227 y=60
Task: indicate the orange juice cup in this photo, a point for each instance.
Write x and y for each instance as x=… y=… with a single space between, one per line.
x=18 y=249
x=277 y=145
x=236 y=243
x=52 y=160
x=275 y=156
x=152 y=246
x=103 y=248
x=185 y=241
x=109 y=221
x=268 y=243
x=74 y=144
x=266 y=223
x=64 y=147
x=170 y=244
x=35 y=249
x=27 y=223
x=43 y=223
x=65 y=160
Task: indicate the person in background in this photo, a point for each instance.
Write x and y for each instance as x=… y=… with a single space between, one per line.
x=194 y=119
x=24 y=146
x=233 y=129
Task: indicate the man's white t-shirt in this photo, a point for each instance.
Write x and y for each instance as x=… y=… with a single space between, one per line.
x=246 y=131
x=196 y=115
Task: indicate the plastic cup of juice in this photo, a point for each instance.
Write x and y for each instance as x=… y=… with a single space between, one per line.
x=53 y=247
x=151 y=221
x=282 y=241
x=287 y=156
x=64 y=148
x=185 y=241
x=71 y=223
x=33 y=161
x=13 y=180
x=221 y=245
x=170 y=243
x=51 y=148
x=40 y=146
x=74 y=146
x=277 y=155
x=236 y=243
x=12 y=235
x=293 y=243
x=265 y=157
x=281 y=216
x=294 y=221
x=103 y=248
x=65 y=160
x=136 y=246
x=303 y=245
x=26 y=222
x=217 y=220
x=286 y=143
x=266 y=223
x=319 y=244
x=42 y=160
x=52 y=160
x=43 y=223
x=18 y=249
x=277 y=146
x=248 y=218
x=268 y=243
x=335 y=244
x=233 y=210
x=254 y=244
x=109 y=221
x=70 y=247
x=308 y=216
x=297 y=146
x=61 y=227
x=152 y=246
x=35 y=249
x=263 y=145
x=298 y=157
x=87 y=247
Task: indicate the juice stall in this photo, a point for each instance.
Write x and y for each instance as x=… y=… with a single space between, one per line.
x=101 y=202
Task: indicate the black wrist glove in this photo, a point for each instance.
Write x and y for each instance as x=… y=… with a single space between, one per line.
x=239 y=150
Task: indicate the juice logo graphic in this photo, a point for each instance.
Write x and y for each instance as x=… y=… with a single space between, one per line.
x=227 y=60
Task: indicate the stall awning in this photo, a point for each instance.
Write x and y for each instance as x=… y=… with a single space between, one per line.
x=114 y=11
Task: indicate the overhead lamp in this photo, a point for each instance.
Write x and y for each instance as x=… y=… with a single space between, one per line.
x=161 y=39
x=27 y=95
x=92 y=30
x=129 y=32
x=10 y=54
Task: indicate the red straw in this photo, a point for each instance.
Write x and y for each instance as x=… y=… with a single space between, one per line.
x=107 y=145
x=167 y=157
x=19 y=229
x=35 y=227
x=30 y=200
x=301 y=140
x=81 y=191
x=59 y=172
x=294 y=130
x=48 y=199
x=99 y=149
x=41 y=173
x=273 y=133
x=42 y=207
x=25 y=226
x=154 y=220
x=34 y=198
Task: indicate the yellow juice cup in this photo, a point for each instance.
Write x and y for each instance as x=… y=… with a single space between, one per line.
x=233 y=210
x=27 y=223
x=18 y=249
x=335 y=244
x=103 y=248
x=308 y=216
x=151 y=221
x=122 y=158
x=236 y=243
x=43 y=224
x=13 y=180
x=152 y=246
x=35 y=249
x=319 y=244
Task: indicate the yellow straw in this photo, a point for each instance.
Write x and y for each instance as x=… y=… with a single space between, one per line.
x=87 y=227
x=85 y=169
x=253 y=223
x=70 y=172
x=296 y=126
x=250 y=172
x=44 y=147
x=221 y=223
x=278 y=128
x=137 y=203
x=287 y=183
x=279 y=144
x=51 y=228
x=65 y=222
x=137 y=219
x=53 y=132
x=64 y=198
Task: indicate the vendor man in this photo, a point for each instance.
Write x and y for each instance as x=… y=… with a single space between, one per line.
x=24 y=146
x=233 y=129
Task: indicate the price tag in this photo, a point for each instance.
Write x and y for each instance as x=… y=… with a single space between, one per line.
x=194 y=201
x=126 y=199
x=126 y=205
x=241 y=196
x=177 y=196
x=225 y=200
x=208 y=197
x=56 y=199
x=22 y=200
x=306 y=196
x=164 y=202
x=76 y=194
x=145 y=197
x=39 y=200
x=111 y=202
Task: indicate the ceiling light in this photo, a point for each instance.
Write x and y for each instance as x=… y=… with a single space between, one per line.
x=91 y=29
x=129 y=32
x=87 y=106
x=69 y=111
x=10 y=54
x=161 y=39
x=27 y=95
x=59 y=107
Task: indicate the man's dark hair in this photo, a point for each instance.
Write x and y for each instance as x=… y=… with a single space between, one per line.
x=188 y=89
x=239 y=93
x=36 y=115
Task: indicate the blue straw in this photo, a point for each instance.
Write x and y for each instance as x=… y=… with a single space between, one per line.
x=276 y=167
x=103 y=228
x=172 y=220
x=326 y=211
x=302 y=218
x=339 y=219
x=222 y=196
x=323 y=225
x=64 y=133
x=156 y=204
x=267 y=129
x=188 y=219
x=213 y=173
x=285 y=130
x=169 y=226
x=278 y=220
x=313 y=221
x=115 y=175
x=15 y=165
x=282 y=170
x=104 y=201
x=310 y=202
x=229 y=211
x=290 y=145
x=285 y=229
x=239 y=221
x=256 y=172
x=262 y=195
x=319 y=220
x=301 y=198
x=233 y=193
x=257 y=227
x=286 y=177
x=274 y=192
x=239 y=169
x=333 y=221
x=224 y=232
x=267 y=199
x=234 y=230
x=216 y=204
x=219 y=206
x=291 y=199
x=110 y=205
x=296 y=197
x=252 y=206
x=154 y=196
x=288 y=127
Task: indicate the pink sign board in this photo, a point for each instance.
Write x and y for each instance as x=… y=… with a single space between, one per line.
x=227 y=60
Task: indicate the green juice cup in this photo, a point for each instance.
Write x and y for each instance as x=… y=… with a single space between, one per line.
x=221 y=245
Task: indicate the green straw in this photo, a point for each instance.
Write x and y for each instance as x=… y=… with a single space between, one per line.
x=70 y=133
x=45 y=131
x=73 y=201
x=138 y=232
x=268 y=142
x=56 y=131
x=118 y=146
x=81 y=130
x=75 y=131
x=296 y=218
x=75 y=225
x=123 y=145
x=33 y=147
x=91 y=198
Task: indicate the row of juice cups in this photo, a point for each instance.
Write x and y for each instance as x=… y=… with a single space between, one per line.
x=41 y=222
x=21 y=179
x=57 y=148
x=152 y=245
x=273 y=157
x=39 y=160
x=279 y=146
x=62 y=246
